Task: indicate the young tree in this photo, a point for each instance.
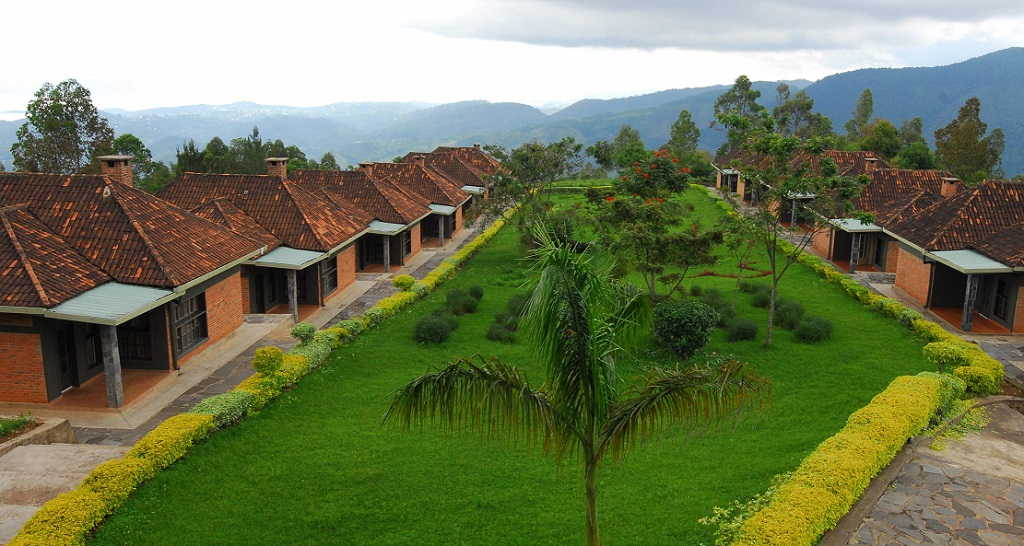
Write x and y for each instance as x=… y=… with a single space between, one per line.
x=911 y=131
x=783 y=170
x=328 y=163
x=684 y=136
x=627 y=148
x=63 y=131
x=964 y=149
x=739 y=103
x=795 y=116
x=882 y=137
x=861 y=115
x=189 y=159
x=602 y=151
x=579 y=323
x=740 y=235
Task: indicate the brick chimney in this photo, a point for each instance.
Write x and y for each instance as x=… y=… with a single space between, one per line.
x=950 y=187
x=477 y=146
x=117 y=168
x=278 y=166
x=366 y=168
x=870 y=164
x=419 y=159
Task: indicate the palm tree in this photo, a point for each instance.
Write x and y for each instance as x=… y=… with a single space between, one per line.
x=579 y=320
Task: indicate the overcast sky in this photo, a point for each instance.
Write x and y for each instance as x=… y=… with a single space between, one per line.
x=135 y=55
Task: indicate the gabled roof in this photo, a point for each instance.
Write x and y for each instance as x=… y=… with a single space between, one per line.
x=1006 y=246
x=856 y=163
x=966 y=218
x=380 y=198
x=437 y=188
x=293 y=215
x=913 y=203
x=37 y=268
x=132 y=236
x=458 y=170
x=223 y=212
x=473 y=156
x=887 y=185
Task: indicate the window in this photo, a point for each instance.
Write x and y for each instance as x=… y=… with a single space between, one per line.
x=134 y=341
x=406 y=239
x=189 y=323
x=1002 y=303
x=329 y=275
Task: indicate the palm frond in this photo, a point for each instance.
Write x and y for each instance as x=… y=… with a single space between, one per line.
x=693 y=400
x=484 y=395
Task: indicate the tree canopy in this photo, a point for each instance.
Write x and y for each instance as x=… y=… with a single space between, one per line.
x=861 y=115
x=739 y=105
x=965 y=149
x=795 y=116
x=63 y=132
x=684 y=136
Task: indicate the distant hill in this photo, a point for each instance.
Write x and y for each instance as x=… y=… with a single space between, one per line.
x=356 y=132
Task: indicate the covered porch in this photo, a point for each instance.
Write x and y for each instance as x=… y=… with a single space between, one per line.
x=858 y=246
x=972 y=291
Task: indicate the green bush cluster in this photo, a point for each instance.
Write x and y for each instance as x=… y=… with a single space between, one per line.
x=432 y=329
x=403 y=282
x=827 y=483
x=267 y=360
x=789 y=314
x=761 y=297
x=460 y=302
x=304 y=332
x=813 y=329
x=226 y=408
x=742 y=329
x=684 y=326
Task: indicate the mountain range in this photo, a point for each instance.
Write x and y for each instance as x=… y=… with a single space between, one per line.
x=356 y=132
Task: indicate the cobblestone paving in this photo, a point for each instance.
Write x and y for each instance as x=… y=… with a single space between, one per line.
x=932 y=502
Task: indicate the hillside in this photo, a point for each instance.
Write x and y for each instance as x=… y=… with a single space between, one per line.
x=356 y=132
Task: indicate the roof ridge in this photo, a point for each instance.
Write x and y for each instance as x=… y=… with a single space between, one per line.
x=150 y=245
x=40 y=291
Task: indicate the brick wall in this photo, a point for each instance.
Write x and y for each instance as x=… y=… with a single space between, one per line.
x=21 y=368
x=347 y=267
x=243 y=285
x=913 y=276
x=822 y=242
x=415 y=232
x=223 y=312
x=458 y=220
x=1018 y=317
x=892 y=256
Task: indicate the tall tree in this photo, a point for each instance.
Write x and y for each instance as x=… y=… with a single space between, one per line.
x=882 y=137
x=916 y=156
x=188 y=159
x=602 y=152
x=740 y=105
x=911 y=131
x=63 y=131
x=628 y=148
x=795 y=116
x=579 y=323
x=328 y=163
x=861 y=115
x=684 y=136
x=964 y=149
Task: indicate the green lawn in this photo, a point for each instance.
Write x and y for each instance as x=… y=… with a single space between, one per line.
x=315 y=467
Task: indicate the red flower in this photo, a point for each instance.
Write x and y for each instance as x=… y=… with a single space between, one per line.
x=675 y=160
x=636 y=163
x=646 y=175
x=654 y=165
x=625 y=178
x=684 y=170
x=610 y=198
x=660 y=200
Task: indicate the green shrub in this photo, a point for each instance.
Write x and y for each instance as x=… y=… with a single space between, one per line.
x=500 y=333
x=762 y=297
x=788 y=314
x=170 y=440
x=263 y=388
x=403 y=282
x=709 y=295
x=686 y=326
x=317 y=351
x=432 y=329
x=748 y=287
x=458 y=302
x=114 y=480
x=304 y=332
x=13 y=424
x=696 y=290
x=507 y=321
x=66 y=519
x=354 y=326
x=226 y=408
x=813 y=329
x=725 y=310
x=295 y=367
x=476 y=292
x=945 y=355
x=742 y=330
x=267 y=360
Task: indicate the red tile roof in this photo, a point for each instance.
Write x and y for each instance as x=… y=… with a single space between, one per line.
x=887 y=185
x=380 y=198
x=223 y=212
x=434 y=186
x=910 y=205
x=1006 y=246
x=292 y=214
x=966 y=218
x=457 y=169
x=472 y=156
x=37 y=268
x=132 y=236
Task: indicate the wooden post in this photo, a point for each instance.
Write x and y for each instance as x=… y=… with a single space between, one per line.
x=854 y=252
x=112 y=366
x=970 y=303
x=293 y=295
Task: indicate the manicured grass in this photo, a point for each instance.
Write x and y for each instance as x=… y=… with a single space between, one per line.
x=315 y=466
x=11 y=425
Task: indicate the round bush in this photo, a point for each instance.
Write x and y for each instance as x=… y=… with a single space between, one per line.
x=476 y=292
x=458 y=302
x=432 y=329
x=742 y=330
x=813 y=329
x=500 y=333
x=686 y=326
x=267 y=360
x=788 y=314
x=453 y=322
x=762 y=298
x=696 y=290
x=304 y=332
x=748 y=287
x=403 y=282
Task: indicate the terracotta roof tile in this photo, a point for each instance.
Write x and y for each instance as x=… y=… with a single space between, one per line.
x=1006 y=246
x=223 y=212
x=910 y=205
x=887 y=185
x=437 y=188
x=37 y=268
x=286 y=210
x=380 y=198
x=473 y=156
x=132 y=236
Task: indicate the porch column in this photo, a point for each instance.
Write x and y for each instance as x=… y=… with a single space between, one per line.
x=970 y=303
x=792 y=215
x=387 y=254
x=440 y=230
x=112 y=366
x=293 y=295
x=854 y=251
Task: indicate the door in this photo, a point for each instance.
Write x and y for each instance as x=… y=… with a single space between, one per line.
x=67 y=366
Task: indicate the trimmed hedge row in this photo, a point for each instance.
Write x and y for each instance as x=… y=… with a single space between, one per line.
x=70 y=517
x=831 y=479
x=981 y=372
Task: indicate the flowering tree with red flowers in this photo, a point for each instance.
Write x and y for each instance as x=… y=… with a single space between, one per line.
x=661 y=173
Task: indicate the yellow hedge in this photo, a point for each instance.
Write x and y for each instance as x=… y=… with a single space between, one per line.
x=64 y=520
x=170 y=440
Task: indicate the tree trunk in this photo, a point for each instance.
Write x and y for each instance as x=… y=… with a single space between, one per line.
x=771 y=314
x=593 y=536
